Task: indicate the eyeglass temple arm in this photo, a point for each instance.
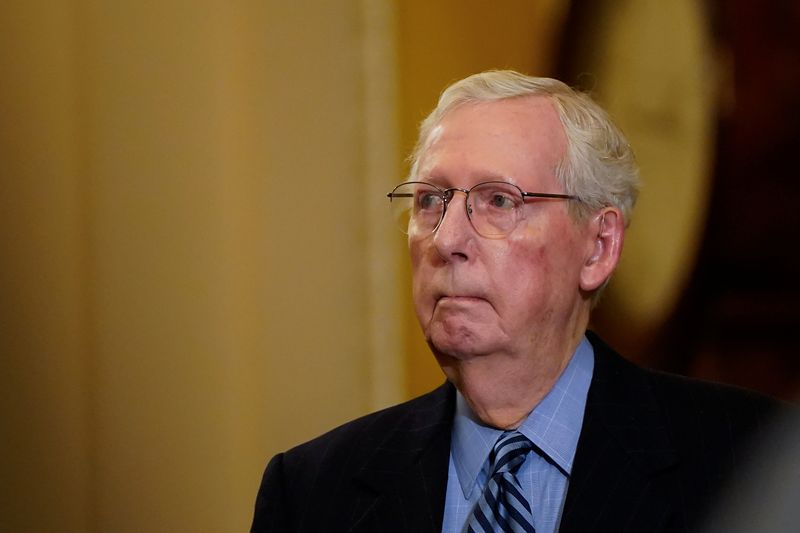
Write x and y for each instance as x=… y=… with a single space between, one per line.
x=549 y=195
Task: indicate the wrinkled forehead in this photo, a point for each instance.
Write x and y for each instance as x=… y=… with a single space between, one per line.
x=519 y=137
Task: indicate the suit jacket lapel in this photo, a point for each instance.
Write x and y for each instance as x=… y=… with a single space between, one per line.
x=616 y=481
x=406 y=478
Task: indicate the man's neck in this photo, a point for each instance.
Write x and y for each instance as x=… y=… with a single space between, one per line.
x=502 y=389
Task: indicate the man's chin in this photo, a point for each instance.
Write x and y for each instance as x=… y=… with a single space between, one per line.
x=463 y=345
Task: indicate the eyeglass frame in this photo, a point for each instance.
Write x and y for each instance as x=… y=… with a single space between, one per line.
x=452 y=190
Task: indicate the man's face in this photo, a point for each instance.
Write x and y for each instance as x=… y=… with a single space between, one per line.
x=478 y=296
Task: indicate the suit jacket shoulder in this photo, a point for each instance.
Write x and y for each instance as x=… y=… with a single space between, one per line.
x=657 y=449
x=386 y=471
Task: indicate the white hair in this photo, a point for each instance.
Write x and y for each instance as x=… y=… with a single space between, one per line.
x=599 y=166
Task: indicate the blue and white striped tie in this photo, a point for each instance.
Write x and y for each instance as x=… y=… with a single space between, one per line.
x=502 y=507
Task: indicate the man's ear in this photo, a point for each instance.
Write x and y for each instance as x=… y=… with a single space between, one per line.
x=606 y=232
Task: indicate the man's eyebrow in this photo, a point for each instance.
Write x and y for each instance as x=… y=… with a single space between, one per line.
x=482 y=177
x=437 y=180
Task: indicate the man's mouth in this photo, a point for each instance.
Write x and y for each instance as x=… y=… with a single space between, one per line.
x=459 y=298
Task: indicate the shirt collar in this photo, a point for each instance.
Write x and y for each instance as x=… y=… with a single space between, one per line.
x=554 y=425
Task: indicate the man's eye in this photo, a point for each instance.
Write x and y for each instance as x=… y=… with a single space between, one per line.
x=428 y=200
x=502 y=201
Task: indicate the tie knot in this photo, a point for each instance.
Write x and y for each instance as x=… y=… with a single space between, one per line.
x=509 y=452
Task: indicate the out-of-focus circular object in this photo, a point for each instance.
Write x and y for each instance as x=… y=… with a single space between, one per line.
x=651 y=65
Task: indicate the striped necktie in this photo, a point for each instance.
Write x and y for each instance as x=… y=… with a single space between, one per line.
x=502 y=507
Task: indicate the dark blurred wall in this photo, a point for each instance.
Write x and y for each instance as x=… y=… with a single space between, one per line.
x=739 y=317
x=736 y=318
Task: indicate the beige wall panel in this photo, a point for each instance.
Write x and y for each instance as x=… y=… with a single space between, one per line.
x=186 y=260
x=159 y=335
x=227 y=250
x=43 y=426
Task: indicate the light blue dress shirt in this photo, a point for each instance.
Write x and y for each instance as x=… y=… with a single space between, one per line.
x=554 y=426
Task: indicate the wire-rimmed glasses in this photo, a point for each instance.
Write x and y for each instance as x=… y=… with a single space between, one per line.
x=493 y=207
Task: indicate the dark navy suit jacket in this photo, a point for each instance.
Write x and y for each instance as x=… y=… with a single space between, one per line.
x=654 y=451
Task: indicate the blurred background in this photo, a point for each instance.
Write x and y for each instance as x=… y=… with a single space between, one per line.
x=197 y=269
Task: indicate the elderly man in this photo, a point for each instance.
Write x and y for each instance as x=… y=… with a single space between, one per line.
x=515 y=211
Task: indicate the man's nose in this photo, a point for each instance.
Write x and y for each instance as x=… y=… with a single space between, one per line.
x=455 y=229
